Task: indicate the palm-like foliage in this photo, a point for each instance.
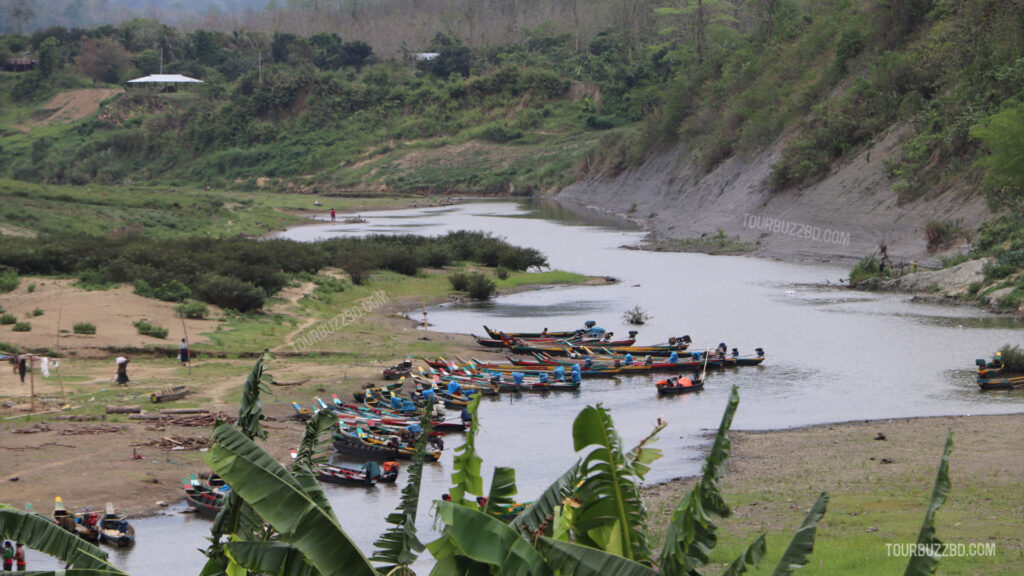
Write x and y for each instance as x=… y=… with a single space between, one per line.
x=466 y=464
x=284 y=503
x=926 y=564
x=39 y=533
x=802 y=544
x=399 y=545
x=612 y=516
x=692 y=533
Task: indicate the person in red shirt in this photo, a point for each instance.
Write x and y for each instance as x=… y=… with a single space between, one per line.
x=332 y=214
x=19 y=557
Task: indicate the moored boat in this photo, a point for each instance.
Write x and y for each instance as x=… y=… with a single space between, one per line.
x=371 y=473
x=208 y=496
x=83 y=524
x=1007 y=383
x=115 y=528
x=681 y=385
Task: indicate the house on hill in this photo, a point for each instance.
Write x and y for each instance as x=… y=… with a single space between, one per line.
x=163 y=82
x=20 y=64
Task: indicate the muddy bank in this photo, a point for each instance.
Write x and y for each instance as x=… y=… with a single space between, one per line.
x=841 y=218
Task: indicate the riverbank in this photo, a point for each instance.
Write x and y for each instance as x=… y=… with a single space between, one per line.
x=326 y=342
x=879 y=475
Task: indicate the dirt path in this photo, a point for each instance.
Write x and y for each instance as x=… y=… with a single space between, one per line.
x=70 y=106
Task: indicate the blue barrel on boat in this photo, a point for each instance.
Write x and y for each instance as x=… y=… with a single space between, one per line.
x=543 y=377
x=453 y=387
x=396 y=403
x=558 y=373
x=673 y=357
x=410 y=406
x=517 y=378
x=576 y=377
x=428 y=394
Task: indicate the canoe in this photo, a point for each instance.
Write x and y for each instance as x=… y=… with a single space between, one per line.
x=539 y=387
x=1008 y=383
x=115 y=528
x=398 y=370
x=353 y=477
x=168 y=394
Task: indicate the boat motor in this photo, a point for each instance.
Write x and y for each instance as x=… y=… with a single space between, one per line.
x=980 y=362
x=686 y=339
x=760 y=351
x=632 y=334
x=735 y=353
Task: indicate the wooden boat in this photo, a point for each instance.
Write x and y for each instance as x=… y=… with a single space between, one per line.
x=398 y=370
x=539 y=387
x=371 y=447
x=388 y=473
x=168 y=394
x=497 y=334
x=115 y=528
x=376 y=393
x=681 y=386
x=1007 y=383
x=209 y=496
x=83 y=524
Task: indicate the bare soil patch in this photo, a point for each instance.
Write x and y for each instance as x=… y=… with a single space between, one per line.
x=70 y=106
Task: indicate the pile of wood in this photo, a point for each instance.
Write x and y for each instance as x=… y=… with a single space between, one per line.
x=40 y=427
x=90 y=429
x=174 y=418
x=177 y=442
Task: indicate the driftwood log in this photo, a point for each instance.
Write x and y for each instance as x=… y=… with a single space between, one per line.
x=123 y=409
x=185 y=411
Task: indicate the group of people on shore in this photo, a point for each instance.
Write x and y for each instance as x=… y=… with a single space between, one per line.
x=14 y=555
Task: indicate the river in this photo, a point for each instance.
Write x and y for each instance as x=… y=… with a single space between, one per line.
x=833 y=355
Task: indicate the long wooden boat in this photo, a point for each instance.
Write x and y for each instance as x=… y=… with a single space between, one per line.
x=539 y=387
x=206 y=496
x=497 y=334
x=168 y=394
x=1007 y=383
x=353 y=477
x=115 y=528
x=373 y=448
x=86 y=525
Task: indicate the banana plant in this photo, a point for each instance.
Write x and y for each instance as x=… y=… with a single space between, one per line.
x=237 y=518
x=466 y=463
x=399 y=545
x=926 y=564
x=40 y=533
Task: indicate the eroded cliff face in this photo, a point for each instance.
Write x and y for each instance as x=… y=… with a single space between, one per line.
x=844 y=216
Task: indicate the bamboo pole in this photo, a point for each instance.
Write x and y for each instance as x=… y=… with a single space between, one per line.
x=60 y=380
x=32 y=379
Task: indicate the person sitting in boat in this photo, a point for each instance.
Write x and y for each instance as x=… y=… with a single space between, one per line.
x=648 y=360
x=673 y=357
x=684 y=382
x=466 y=416
x=577 y=377
x=371 y=470
x=394 y=442
x=544 y=332
x=628 y=360
x=721 y=350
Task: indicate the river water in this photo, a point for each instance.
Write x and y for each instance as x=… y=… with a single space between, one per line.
x=833 y=355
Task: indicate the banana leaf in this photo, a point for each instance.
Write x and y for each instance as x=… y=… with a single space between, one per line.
x=466 y=464
x=308 y=457
x=692 y=533
x=483 y=539
x=41 y=534
x=926 y=564
x=503 y=489
x=802 y=544
x=612 y=516
x=250 y=411
x=280 y=500
x=544 y=507
x=567 y=558
x=641 y=456
x=752 y=556
x=399 y=545
x=269 y=558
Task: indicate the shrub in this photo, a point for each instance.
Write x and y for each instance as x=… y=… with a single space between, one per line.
x=83 y=328
x=147 y=329
x=501 y=272
x=37 y=312
x=193 y=310
x=170 y=291
x=459 y=281
x=8 y=280
x=228 y=292
x=8 y=319
x=1013 y=358
x=636 y=316
x=31 y=287
x=8 y=347
x=480 y=287
x=22 y=327
x=868 y=267
x=942 y=235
